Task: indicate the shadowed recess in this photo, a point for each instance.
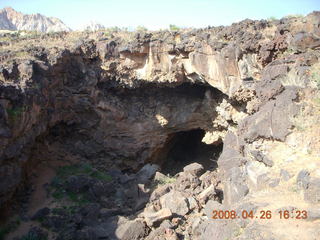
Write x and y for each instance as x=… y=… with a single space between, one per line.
x=187 y=147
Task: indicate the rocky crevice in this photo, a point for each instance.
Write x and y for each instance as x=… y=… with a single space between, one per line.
x=119 y=104
x=97 y=119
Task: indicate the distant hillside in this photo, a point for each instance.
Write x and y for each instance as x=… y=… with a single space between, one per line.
x=13 y=20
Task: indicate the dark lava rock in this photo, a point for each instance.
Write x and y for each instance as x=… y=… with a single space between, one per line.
x=77 y=184
x=303 y=179
x=40 y=214
x=259 y=156
x=272 y=121
x=285 y=175
x=90 y=214
x=312 y=193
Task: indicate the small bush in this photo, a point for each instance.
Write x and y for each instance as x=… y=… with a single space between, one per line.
x=294 y=16
x=58 y=190
x=173 y=27
x=9 y=227
x=14 y=112
x=272 y=18
x=166 y=180
x=141 y=29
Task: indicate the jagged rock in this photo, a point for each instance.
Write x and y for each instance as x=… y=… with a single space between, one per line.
x=262 y=158
x=231 y=154
x=160 y=191
x=170 y=234
x=153 y=218
x=193 y=204
x=285 y=175
x=105 y=213
x=187 y=182
x=159 y=177
x=56 y=223
x=254 y=232
x=86 y=234
x=254 y=172
x=263 y=181
x=41 y=213
x=219 y=229
x=196 y=230
x=99 y=189
x=303 y=179
x=176 y=202
x=311 y=194
x=303 y=40
x=274 y=182
x=194 y=168
x=143 y=197
x=147 y=172
x=77 y=184
x=273 y=119
x=248 y=207
x=235 y=187
x=131 y=230
x=206 y=194
x=90 y=214
x=167 y=224
x=211 y=206
x=157 y=234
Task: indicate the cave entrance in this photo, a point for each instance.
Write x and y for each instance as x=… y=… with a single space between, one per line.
x=187 y=147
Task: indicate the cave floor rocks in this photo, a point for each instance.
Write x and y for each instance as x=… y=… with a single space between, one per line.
x=68 y=198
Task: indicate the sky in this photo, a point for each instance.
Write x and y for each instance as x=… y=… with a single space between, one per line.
x=161 y=13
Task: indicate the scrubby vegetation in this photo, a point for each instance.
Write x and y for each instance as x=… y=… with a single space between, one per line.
x=272 y=18
x=58 y=186
x=9 y=227
x=173 y=27
x=166 y=180
x=141 y=29
x=294 y=16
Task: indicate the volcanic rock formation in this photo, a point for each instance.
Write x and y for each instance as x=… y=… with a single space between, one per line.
x=124 y=100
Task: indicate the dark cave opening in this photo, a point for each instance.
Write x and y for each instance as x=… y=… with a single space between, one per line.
x=186 y=147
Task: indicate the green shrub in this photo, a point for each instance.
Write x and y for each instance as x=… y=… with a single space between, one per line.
x=58 y=190
x=9 y=227
x=294 y=16
x=141 y=29
x=167 y=180
x=272 y=18
x=173 y=27
x=14 y=112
